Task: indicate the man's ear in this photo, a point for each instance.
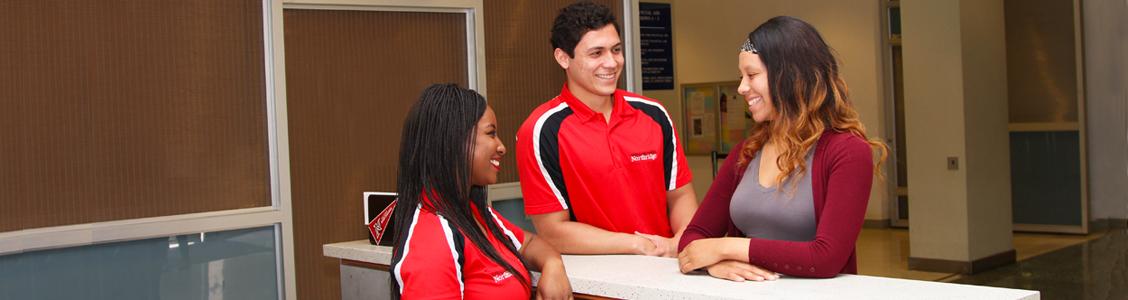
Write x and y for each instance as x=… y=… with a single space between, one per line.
x=562 y=58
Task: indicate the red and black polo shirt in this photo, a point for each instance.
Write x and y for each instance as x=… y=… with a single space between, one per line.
x=438 y=262
x=612 y=175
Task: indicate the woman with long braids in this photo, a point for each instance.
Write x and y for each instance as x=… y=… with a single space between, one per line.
x=449 y=243
x=791 y=198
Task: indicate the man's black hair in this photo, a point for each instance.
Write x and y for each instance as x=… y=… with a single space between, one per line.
x=575 y=20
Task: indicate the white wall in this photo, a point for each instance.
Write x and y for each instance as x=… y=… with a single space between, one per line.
x=956 y=106
x=986 y=118
x=708 y=33
x=934 y=109
x=1106 y=67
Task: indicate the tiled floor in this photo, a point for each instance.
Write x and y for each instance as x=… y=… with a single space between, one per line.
x=1097 y=269
x=885 y=252
x=1060 y=266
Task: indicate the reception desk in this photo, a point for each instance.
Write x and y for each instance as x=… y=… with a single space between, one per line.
x=364 y=276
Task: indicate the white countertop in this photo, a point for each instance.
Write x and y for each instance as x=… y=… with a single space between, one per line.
x=644 y=277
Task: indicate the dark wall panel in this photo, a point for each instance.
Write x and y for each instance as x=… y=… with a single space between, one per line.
x=351 y=77
x=115 y=110
x=1046 y=178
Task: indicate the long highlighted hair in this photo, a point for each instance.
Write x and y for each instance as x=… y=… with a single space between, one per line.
x=808 y=94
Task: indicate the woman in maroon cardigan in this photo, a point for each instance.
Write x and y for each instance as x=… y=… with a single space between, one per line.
x=791 y=198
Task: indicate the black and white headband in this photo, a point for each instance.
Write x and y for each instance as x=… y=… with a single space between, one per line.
x=748 y=47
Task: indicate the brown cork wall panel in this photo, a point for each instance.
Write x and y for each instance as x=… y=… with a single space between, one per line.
x=521 y=71
x=351 y=77
x=125 y=109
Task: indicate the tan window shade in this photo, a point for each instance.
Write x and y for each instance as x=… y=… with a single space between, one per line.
x=1041 y=62
x=351 y=77
x=115 y=110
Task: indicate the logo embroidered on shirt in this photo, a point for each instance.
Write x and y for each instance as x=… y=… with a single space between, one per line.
x=644 y=156
x=503 y=276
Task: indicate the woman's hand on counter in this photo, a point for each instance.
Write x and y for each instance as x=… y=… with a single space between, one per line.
x=554 y=282
x=740 y=271
x=706 y=252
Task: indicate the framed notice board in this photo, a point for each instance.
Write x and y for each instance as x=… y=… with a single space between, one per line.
x=715 y=117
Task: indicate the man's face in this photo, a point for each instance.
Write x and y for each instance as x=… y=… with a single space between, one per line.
x=597 y=61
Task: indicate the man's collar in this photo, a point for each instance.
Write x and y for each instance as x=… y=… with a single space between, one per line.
x=580 y=109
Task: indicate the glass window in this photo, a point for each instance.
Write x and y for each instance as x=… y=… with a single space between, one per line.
x=235 y=264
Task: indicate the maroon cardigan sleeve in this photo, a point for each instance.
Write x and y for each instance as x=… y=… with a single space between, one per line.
x=842 y=179
x=712 y=217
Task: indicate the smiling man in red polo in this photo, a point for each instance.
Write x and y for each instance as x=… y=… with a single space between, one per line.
x=601 y=169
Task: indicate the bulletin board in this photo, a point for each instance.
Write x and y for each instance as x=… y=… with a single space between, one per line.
x=715 y=117
x=735 y=121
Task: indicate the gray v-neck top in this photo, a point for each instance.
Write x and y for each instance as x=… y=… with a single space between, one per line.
x=770 y=213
